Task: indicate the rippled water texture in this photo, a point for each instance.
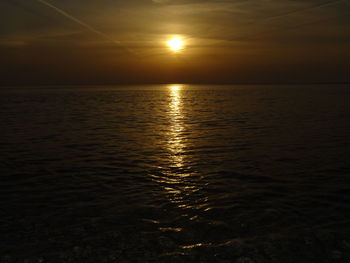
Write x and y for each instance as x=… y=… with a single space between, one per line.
x=175 y=173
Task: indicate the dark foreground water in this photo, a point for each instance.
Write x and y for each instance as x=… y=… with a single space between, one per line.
x=175 y=174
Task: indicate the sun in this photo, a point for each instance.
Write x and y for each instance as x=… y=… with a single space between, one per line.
x=176 y=44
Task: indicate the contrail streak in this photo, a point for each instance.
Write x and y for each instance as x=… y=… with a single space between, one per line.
x=328 y=3
x=83 y=24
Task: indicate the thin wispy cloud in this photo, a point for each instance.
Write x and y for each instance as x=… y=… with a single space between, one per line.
x=306 y=9
x=83 y=24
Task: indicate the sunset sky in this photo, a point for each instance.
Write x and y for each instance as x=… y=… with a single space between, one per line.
x=124 y=41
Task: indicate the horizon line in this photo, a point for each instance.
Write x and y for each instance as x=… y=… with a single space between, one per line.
x=171 y=83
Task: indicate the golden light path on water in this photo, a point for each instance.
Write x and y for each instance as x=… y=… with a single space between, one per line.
x=179 y=177
x=175 y=142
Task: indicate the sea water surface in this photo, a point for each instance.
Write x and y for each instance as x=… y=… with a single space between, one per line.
x=175 y=173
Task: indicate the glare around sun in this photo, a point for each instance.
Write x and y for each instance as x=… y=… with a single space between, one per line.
x=176 y=44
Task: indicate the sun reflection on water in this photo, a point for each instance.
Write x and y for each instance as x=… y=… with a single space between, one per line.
x=175 y=138
x=180 y=181
x=177 y=177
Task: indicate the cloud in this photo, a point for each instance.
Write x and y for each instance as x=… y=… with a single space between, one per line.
x=161 y=1
x=78 y=21
x=84 y=25
x=305 y=9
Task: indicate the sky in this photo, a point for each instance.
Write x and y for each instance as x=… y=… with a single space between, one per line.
x=124 y=41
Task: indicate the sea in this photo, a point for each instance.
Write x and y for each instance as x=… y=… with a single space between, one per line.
x=175 y=173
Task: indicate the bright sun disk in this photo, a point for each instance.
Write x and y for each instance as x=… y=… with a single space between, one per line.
x=176 y=44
